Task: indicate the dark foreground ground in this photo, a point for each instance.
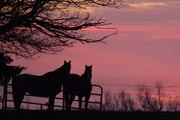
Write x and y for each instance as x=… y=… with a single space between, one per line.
x=59 y=115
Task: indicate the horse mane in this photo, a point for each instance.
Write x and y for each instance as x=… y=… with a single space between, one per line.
x=49 y=74
x=56 y=73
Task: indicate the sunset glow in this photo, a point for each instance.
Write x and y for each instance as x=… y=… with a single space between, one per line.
x=146 y=50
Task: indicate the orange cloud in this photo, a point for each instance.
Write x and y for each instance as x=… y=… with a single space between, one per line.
x=148 y=5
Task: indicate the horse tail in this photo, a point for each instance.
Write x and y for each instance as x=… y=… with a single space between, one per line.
x=18 y=92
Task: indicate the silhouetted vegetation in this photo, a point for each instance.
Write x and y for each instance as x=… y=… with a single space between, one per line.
x=29 y=27
x=145 y=98
x=8 y=71
x=120 y=101
x=151 y=100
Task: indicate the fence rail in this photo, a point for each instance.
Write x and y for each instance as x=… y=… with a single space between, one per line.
x=7 y=99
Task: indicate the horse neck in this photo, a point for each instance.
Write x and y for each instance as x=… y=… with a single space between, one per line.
x=86 y=77
x=55 y=74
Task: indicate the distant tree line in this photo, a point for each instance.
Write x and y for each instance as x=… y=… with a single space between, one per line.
x=144 y=98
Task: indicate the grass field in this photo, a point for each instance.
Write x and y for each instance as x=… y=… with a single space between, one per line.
x=108 y=115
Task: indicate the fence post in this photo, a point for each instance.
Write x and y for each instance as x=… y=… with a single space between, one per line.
x=101 y=97
x=4 y=101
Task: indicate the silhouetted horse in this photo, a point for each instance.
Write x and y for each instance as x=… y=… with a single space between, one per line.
x=78 y=86
x=47 y=85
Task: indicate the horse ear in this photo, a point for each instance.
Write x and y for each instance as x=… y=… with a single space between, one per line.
x=64 y=61
x=70 y=61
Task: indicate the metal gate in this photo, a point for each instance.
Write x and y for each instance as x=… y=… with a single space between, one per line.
x=95 y=104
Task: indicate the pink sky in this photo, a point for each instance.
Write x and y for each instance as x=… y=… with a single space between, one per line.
x=146 y=50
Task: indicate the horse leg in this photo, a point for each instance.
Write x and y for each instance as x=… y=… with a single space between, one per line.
x=80 y=102
x=86 y=101
x=51 y=103
x=18 y=96
x=69 y=103
x=66 y=100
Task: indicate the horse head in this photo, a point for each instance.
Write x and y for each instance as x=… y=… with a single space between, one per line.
x=67 y=67
x=88 y=73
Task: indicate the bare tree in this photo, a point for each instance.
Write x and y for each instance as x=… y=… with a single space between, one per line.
x=120 y=101
x=146 y=101
x=108 y=101
x=29 y=27
x=122 y=97
x=151 y=99
x=131 y=103
x=173 y=103
x=126 y=102
x=159 y=94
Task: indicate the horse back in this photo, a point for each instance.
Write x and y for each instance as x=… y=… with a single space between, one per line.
x=21 y=79
x=76 y=84
x=71 y=82
x=36 y=85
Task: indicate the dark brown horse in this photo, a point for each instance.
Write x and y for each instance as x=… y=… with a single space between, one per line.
x=47 y=85
x=78 y=86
